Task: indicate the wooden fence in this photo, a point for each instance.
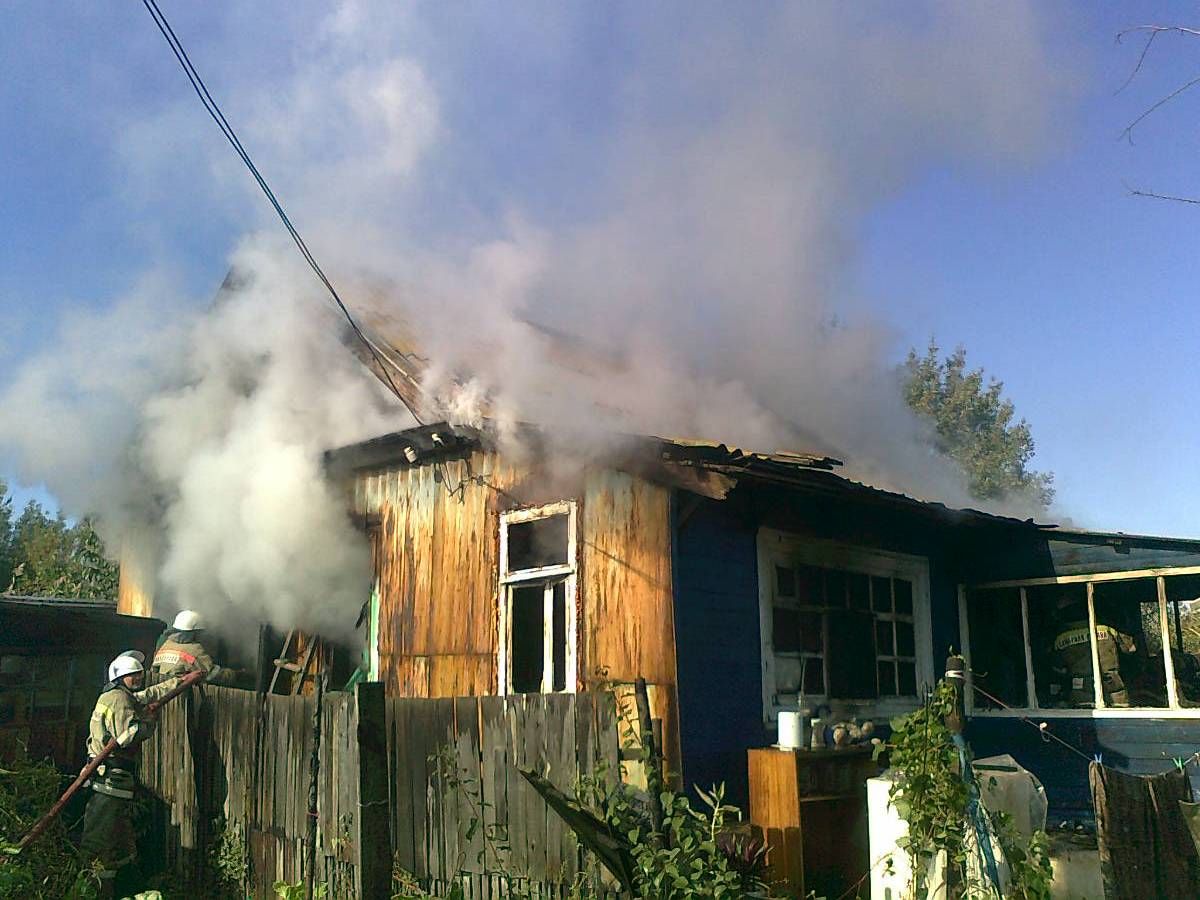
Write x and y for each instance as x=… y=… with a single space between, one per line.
x=430 y=786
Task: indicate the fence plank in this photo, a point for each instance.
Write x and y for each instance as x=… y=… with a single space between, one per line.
x=379 y=795
x=469 y=811
x=494 y=778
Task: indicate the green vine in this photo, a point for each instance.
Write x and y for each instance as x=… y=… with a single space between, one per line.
x=929 y=793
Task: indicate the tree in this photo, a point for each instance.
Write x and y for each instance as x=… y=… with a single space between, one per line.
x=45 y=555
x=975 y=426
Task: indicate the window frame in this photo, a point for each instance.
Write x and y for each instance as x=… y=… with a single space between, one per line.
x=567 y=573
x=785 y=548
x=1173 y=709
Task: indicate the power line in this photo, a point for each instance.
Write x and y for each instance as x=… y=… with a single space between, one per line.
x=211 y=107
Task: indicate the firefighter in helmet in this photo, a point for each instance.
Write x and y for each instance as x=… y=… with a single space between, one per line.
x=183 y=651
x=120 y=713
x=1073 y=656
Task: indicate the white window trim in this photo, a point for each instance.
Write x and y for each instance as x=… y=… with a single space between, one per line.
x=1172 y=711
x=569 y=573
x=779 y=547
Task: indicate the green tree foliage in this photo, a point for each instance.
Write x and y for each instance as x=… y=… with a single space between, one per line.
x=975 y=426
x=46 y=555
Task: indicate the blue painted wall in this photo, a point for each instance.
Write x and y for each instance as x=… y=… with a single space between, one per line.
x=718 y=648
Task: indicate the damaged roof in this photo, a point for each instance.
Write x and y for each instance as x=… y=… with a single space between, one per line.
x=712 y=469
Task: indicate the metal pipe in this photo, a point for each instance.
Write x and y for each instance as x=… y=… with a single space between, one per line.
x=90 y=769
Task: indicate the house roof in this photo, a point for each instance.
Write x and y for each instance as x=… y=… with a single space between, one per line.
x=721 y=466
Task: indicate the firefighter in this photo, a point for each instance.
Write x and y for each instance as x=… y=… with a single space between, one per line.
x=1073 y=657
x=120 y=713
x=182 y=651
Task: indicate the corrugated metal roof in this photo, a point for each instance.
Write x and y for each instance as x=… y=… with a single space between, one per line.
x=812 y=472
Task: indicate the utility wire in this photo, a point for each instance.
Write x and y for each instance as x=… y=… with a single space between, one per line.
x=1042 y=729
x=211 y=107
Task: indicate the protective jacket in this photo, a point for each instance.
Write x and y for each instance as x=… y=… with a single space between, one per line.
x=181 y=653
x=120 y=713
x=1073 y=650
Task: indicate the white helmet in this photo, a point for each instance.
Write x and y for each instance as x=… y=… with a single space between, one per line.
x=188 y=620
x=123 y=665
x=136 y=654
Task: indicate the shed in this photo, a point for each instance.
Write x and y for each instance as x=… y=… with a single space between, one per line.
x=53 y=659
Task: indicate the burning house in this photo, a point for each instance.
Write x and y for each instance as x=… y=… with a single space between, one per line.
x=739 y=584
x=735 y=581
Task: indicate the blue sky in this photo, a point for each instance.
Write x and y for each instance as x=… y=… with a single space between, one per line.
x=1076 y=295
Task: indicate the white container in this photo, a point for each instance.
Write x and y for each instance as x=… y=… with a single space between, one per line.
x=791 y=730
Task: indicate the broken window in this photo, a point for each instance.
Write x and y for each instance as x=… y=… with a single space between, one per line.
x=840 y=632
x=998 y=662
x=1094 y=642
x=538 y=582
x=1183 y=635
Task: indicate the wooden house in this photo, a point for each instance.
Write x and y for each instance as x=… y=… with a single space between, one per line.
x=732 y=580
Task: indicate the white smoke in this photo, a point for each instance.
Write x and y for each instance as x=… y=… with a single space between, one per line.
x=678 y=186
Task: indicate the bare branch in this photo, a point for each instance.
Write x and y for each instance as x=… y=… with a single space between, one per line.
x=1133 y=192
x=1128 y=132
x=1141 y=58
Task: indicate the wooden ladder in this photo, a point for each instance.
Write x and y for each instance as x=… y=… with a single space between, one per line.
x=295 y=662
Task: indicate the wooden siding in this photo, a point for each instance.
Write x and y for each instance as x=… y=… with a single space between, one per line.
x=436 y=558
x=628 y=621
x=435 y=551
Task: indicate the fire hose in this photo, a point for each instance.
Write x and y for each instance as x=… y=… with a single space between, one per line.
x=90 y=769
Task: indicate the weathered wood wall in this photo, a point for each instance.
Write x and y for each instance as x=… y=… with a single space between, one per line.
x=437 y=777
x=436 y=557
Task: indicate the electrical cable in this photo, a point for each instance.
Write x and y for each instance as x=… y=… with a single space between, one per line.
x=1042 y=729
x=214 y=111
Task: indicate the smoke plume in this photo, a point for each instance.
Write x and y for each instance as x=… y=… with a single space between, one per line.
x=676 y=188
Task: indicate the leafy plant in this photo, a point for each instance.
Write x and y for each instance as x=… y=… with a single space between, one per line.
x=295 y=891
x=50 y=867
x=228 y=856
x=929 y=793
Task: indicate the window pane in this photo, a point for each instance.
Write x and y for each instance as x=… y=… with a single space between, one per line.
x=881 y=594
x=851 y=635
x=860 y=591
x=811 y=638
x=785 y=582
x=907 y=672
x=528 y=634
x=559 y=643
x=785 y=629
x=813 y=668
x=810 y=586
x=997 y=646
x=906 y=646
x=884 y=644
x=1062 y=655
x=887 y=678
x=835 y=588
x=1129 y=643
x=537 y=543
x=1183 y=626
x=904 y=597
x=787 y=679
